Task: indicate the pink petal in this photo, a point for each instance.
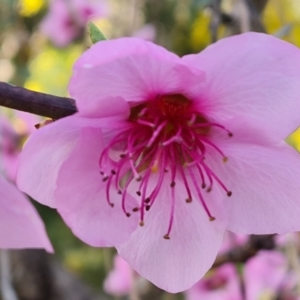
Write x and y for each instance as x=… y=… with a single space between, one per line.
x=82 y=200
x=254 y=76
x=265 y=272
x=207 y=288
x=176 y=264
x=263 y=175
x=130 y=68
x=119 y=279
x=20 y=225
x=58 y=25
x=43 y=154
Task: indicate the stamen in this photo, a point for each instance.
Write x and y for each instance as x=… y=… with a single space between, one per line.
x=211 y=124
x=189 y=199
x=162 y=135
x=192 y=120
x=229 y=193
x=175 y=138
x=214 y=146
x=156 y=134
x=108 y=185
x=143 y=122
x=172 y=211
x=200 y=196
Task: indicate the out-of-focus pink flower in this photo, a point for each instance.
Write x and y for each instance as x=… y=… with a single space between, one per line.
x=24 y=123
x=265 y=273
x=9 y=149
x=20 y=225
x=119 y=280
x=11 y=139
x=186 y=147
x=222 y=283
x=66 y=19
x=147 y=33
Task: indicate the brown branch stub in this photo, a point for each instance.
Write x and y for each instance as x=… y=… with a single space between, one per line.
x=242 y=253
x=34 y=102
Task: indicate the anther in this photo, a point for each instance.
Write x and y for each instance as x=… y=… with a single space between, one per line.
x=188 y=200
x=203 y=185
x=128 y=214
x=209 y=189
x=142 y=223
x=148 y=207
x=139 y=178
x=122 y=155
x=166 y=236
x=147 y=200
x=230 y=134
x=212 y=218
x=225 y=159
x=105 y=178
x=101 y=172
x=135 y=209
x=113 y=172
x=138 y=193
x=119 y=192
x=111 y=204
x=229 y=193
x=172 y=184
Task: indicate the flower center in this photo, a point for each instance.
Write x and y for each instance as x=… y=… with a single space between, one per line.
x=164 y=135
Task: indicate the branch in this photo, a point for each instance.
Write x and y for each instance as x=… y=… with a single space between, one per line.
x=242 y=253
x=37 y=103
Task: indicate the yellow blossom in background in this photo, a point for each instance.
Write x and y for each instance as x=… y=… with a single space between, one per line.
x=200 y=33
x=28 y=8
x=294 y=139
x=282 y=18
x=50 y=71
x=200 y=36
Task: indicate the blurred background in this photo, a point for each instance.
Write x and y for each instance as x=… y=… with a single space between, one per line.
x=39 y=42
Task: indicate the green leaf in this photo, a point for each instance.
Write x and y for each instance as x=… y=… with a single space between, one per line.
x=95 y=34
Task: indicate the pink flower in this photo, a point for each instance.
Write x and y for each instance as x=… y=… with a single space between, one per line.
x=20 y=225
x=119 y=280
x=265 y=273
x=147 y=33
x=10 y=141
x=66 y=19
x=9 y=149
x=186 y=147
x=222 y=283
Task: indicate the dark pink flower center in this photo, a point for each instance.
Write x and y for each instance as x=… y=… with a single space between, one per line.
x=164 y=135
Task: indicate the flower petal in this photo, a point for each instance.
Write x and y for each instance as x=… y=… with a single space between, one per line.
x=82 y=198
x=130 y=68
x=254 y=76
x=176 y=264
x=263 y=176
x=20 y=225
x=43 y=155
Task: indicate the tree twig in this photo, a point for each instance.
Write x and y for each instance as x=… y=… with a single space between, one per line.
x=243 y=253
x=37 y=103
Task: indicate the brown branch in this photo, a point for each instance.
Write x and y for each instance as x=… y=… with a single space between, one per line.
x=242 y=253
x=34 y=102
x=37 y=275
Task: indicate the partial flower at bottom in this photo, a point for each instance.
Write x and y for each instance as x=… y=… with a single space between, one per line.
x=166 y=153
x=20 y=225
